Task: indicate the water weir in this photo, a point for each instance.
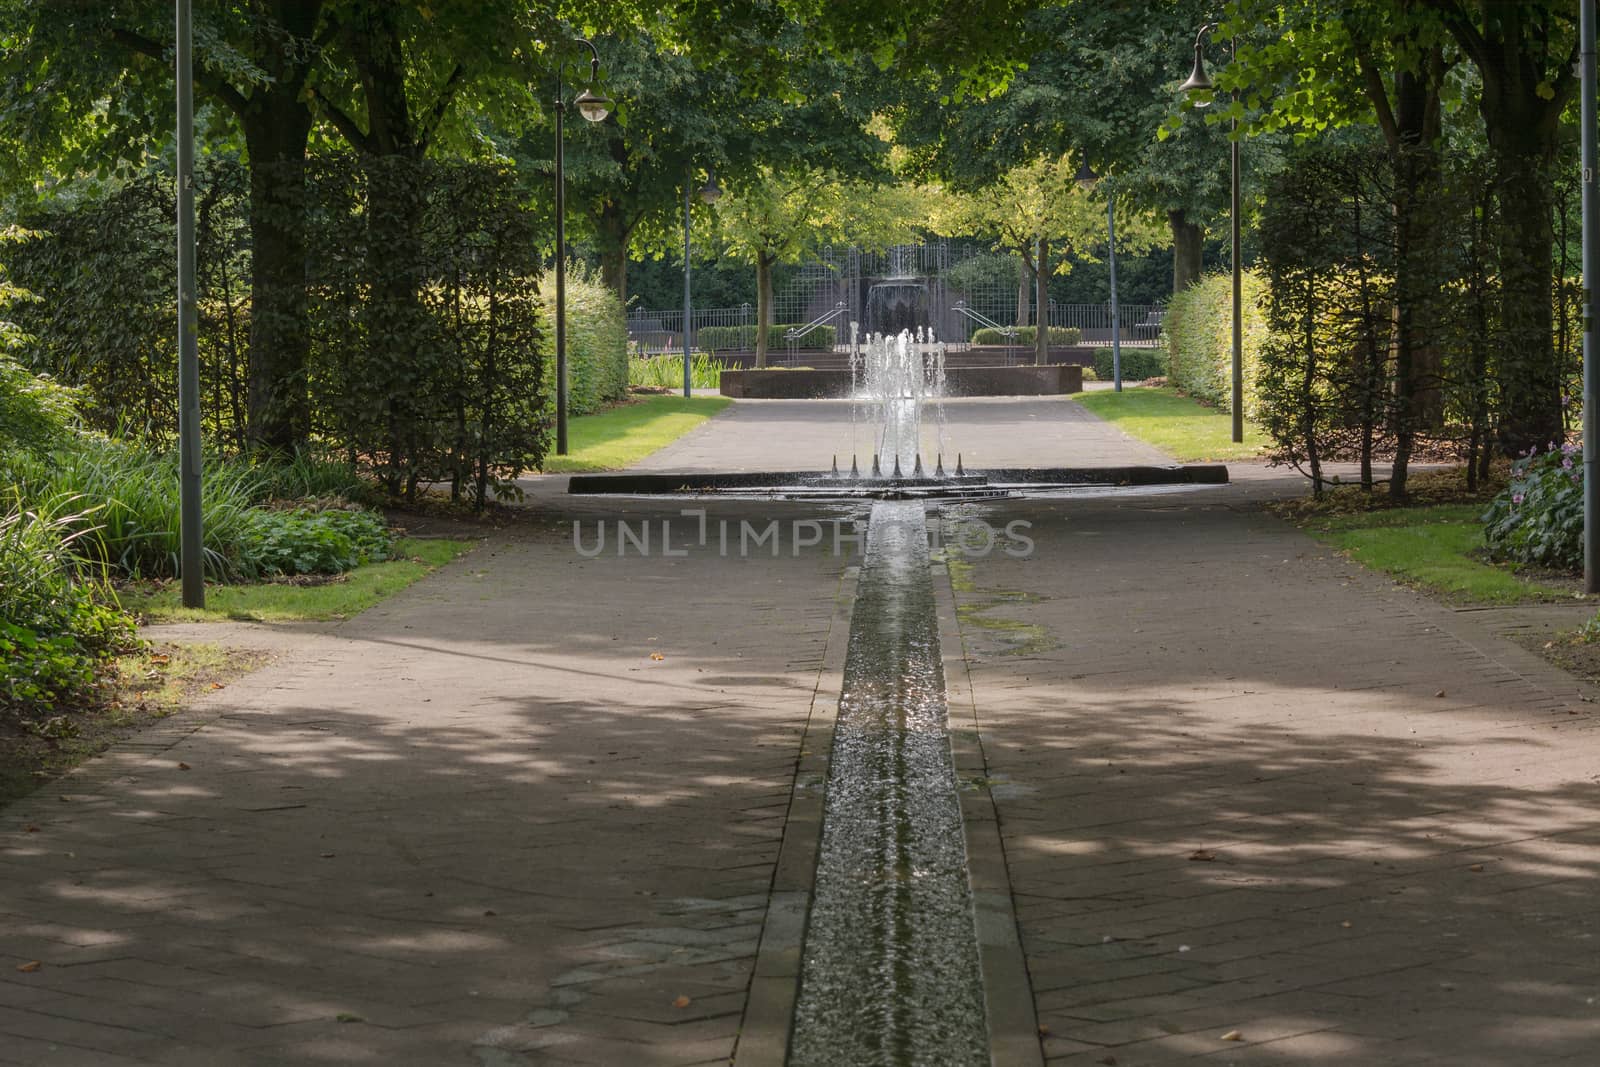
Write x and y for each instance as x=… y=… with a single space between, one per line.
x=891 y=970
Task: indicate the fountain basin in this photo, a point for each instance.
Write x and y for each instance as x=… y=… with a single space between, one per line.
x=1056 y=379
x=1002 y=481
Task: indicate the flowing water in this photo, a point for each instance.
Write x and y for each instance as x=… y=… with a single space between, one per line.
x=898 y=376
x=891 y=974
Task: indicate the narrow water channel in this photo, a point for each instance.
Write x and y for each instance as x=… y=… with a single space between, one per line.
x=891 y=974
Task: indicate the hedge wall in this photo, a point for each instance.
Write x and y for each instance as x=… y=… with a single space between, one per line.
x=597 y=341
x=743 y=338
x=1198 y=335
x=1137 y=364
x=1027 y=335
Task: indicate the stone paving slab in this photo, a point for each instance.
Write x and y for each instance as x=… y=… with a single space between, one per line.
x=477 y=824
x=1246 y=786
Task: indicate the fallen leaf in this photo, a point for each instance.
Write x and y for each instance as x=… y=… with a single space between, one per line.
x=29 y=967
x=217 y=685
x=1109 y=1061
x=1476 y=867
x=161 y=659
x=681 y=1002
x=1044 y=1031
x=1440 y=693
x=1347 y=924
x=349 y=1017
x=327 y=855
x=1233 y=1035
x=30 y=829
x=183 y=767
x=488 y=913
x=1201 y=855
x=658 y=657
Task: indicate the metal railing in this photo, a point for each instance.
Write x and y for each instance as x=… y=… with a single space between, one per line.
x=794 y=335
x=1140 y=324
x=654 y=332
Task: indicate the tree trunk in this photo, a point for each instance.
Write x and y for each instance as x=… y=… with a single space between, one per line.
x=276 y=132
x=763 y=306
x=615 y=235
x=1530 y=377
x=1186 y=247
x=1024 y=285
x=1041 y=342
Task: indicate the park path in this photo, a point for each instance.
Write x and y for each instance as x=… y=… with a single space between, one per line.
x=1262 y=807
x=479 y=824
x=790 y=435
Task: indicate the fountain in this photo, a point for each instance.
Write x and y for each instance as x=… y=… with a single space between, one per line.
x=895 y=377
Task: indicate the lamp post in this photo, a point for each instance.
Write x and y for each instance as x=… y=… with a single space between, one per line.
x=710 y=193
x=190 y=527
x=594 y=108
x=1199 y=82
x=1591 y=285
x=1086 y=178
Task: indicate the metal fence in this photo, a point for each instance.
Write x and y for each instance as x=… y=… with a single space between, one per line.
x=1139 y=324
x=653 y=332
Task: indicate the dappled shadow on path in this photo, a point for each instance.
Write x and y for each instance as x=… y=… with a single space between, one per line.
x=481 y=824
x=1254 y=793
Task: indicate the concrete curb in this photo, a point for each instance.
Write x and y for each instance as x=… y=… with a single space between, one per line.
x=769 y=1009
x=1007 y=991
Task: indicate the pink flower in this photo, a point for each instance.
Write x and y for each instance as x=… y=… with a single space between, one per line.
x=1567 y=463
x=1516 y=498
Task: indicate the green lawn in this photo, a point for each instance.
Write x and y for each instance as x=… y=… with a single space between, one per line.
x=623 y=435
x=273 y=602
x=1184 y=429
x=1431 y=547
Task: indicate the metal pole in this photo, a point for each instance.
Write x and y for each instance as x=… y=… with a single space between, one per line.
x=1591 y=263
x=190 y=524
x=561 y=275
x=1116 y=323
x=1238 y=309
x=688 y=305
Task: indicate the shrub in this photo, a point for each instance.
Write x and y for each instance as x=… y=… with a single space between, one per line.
x=35 y=413
x=314 y=474
x=1027 y=335
x=1538 y=518
x=666 y=371
x=306 y=541
x=597 y=341
x=55 y=626
x=1137 y=364
x=133 y=528
x=716 y=339
x=1198 y=335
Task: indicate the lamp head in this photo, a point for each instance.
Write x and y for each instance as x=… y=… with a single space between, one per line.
x=710 y=192
x=1086 y=177
x=592 y=106
x=1199 y=81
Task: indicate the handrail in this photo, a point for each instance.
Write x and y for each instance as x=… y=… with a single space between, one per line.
x=981 y=319
x=793 y=334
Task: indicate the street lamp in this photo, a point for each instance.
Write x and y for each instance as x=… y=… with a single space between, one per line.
x=594 y=108
x=1086 y=179
x=1200 y=82
x=710 y=193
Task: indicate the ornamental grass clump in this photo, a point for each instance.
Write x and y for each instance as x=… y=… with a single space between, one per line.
x=1538 y=518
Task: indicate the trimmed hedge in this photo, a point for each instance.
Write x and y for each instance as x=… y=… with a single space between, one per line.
x=743 y=338
x=1137 y=364
x=597 y=342
x=1198 y=335
x=1027 y=335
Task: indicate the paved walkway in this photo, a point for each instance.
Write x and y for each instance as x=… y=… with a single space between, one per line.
x=1243 y=788
x=788 y=435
